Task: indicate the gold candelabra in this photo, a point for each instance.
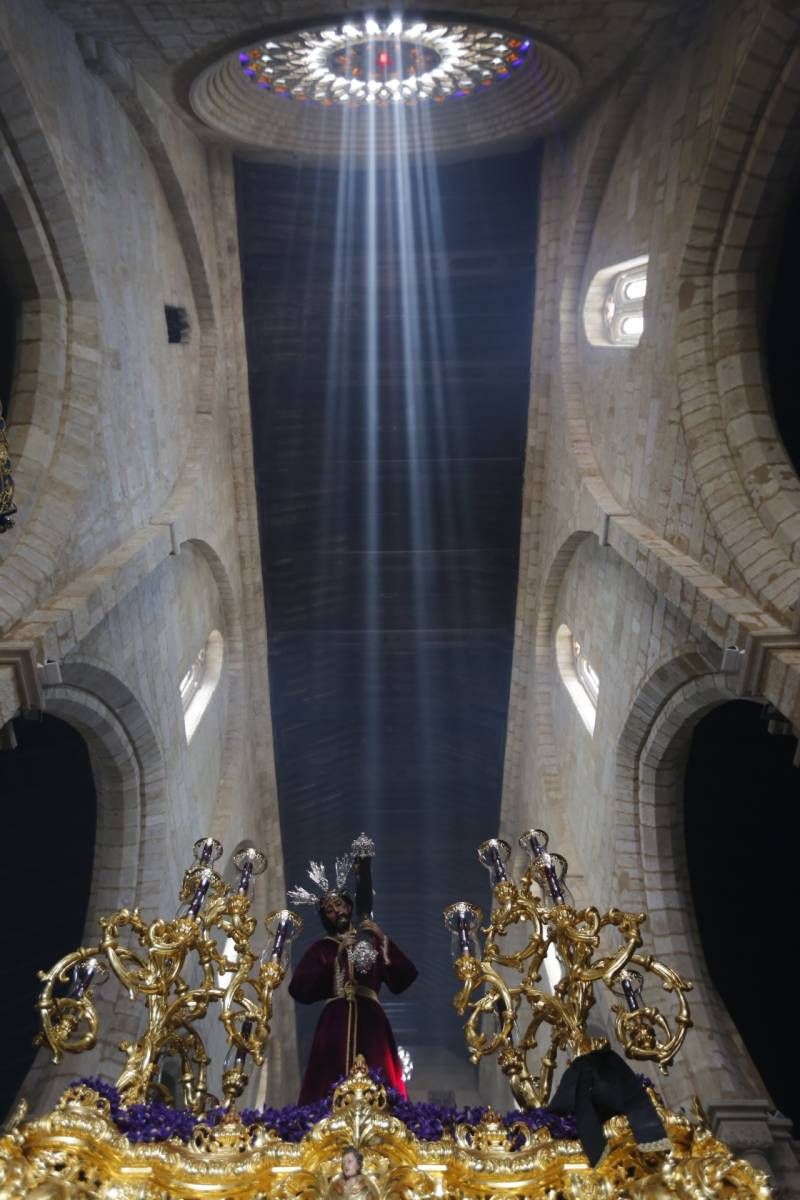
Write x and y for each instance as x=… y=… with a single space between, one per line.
x=582 y=947
x=202 y=957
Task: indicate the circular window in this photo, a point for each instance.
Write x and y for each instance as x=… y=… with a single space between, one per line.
x=381 y=62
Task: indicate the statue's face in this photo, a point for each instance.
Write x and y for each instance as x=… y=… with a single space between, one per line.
x=350 y=1166
x=337 y=910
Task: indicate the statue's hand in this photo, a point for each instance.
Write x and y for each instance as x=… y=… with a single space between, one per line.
x=373 y=927
x=346 y=942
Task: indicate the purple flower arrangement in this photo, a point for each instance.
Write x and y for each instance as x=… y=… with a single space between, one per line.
x=157 y=1122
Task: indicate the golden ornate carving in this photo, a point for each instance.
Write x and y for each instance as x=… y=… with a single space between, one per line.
x=77 y=1152
x=235 y=977
x=590 y=949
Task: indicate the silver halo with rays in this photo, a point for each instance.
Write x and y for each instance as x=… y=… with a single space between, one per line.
x=385 y=61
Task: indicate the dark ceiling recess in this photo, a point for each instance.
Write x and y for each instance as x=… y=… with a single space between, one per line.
x=390 y=529
x=49 y=818
x=16 y=285
x=783 y=362
x=8 y=334
x=741 y=792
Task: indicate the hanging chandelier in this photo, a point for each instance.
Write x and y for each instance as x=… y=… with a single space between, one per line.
x=381 y=62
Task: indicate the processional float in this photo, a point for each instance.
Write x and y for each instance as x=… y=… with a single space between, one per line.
x=526 y=992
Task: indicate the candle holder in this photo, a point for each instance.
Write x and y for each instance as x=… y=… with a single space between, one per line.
x=249 y=863
x=494 y=854
x=591 y=950
x=463 y=919
x=547 y=870
x=168 y=954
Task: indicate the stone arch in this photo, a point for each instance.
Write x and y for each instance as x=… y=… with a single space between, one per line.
x=651 y=866
x=130 y=852
x=744 y=474
x=55 y=391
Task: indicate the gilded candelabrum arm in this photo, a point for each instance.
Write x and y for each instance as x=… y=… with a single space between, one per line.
x=246 y=1020
x=513 y=908
x=168 y=1026
x=637 y=1029
x=188 y=1047
x=499 y=999
x=629 y=927
x=570 y=939
x=468 y=969
x=178 y=994
x=137 y=973
x=69 y=1023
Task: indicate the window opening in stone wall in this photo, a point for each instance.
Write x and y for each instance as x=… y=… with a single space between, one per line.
x=177 y=324
x=578 y=675
x=613 y=312
x=200 y=682
x=585 y=672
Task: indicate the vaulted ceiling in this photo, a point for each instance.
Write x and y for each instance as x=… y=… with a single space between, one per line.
x=172 y=44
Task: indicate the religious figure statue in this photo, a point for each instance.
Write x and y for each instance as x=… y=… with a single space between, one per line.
x=345 y=970
x=352 y=1182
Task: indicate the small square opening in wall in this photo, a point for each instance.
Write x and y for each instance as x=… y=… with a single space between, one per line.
x=177 y=324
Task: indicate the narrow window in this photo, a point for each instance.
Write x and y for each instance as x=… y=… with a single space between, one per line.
x=578 y=676
x=200 y=682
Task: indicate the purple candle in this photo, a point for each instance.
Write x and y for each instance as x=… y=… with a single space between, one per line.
x=631 y=998
x=497 y=863
x=280 y=938
x=553 y=884
x=241 y=1054
x=200 y=893
x=246 y=876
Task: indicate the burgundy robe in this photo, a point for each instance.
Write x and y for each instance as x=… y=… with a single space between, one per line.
x=314 y=979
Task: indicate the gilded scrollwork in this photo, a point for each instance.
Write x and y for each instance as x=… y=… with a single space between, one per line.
x=177 y=966
x=77 y=1151
x=512 y=1020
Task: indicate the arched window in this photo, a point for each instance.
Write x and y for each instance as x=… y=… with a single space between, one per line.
x=200 y=681
x=578 y=675
x=613 y=312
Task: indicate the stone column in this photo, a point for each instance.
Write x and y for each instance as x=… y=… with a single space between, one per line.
x=19 y=682
x=754 y=1132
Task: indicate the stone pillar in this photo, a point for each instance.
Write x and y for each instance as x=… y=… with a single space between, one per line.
x=785 y=1158
x=19 y=682
x=754 y=1132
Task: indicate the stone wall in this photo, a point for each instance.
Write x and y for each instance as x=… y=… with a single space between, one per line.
x=660 y=511
x=136 y=534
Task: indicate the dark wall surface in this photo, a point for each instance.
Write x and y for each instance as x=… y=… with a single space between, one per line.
x=741 y=789
x=389 y=399
x=49 y=818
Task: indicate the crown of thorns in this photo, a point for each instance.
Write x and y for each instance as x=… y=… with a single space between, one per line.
x=362 y=847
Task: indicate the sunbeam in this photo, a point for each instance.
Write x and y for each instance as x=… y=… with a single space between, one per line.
x=391 y=540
